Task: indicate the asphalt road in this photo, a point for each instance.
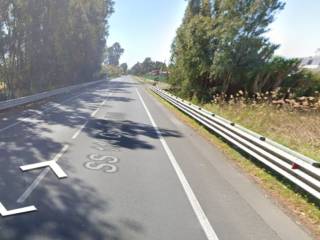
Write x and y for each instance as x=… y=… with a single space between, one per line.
x=135 y=172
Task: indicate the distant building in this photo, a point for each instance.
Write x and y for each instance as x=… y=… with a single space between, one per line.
x=312 y=63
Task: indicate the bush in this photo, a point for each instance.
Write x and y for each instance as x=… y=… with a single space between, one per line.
x=304 y=83
x=113 y=71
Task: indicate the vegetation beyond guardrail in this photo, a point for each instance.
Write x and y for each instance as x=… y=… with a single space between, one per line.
x=299 y=130
x=291 y=122
x=296 y=168
x=221 y=47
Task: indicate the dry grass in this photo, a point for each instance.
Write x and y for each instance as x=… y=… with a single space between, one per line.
x=161 y=85
x=280 y=100
x=298 y=130
x=292 y=122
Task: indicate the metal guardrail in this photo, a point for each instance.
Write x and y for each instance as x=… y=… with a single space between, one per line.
x=4 y=105
x=299 y=169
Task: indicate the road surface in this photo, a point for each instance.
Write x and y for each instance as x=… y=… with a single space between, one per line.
x=134 y=172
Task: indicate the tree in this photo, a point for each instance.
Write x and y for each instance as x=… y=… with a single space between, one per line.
x=220 y=46
x=49 y=44
x=124 y=68
x=206 y=8
x=114 y=54
x=241 y=45
x=147 y=66
x=136 y=69
x=192 y=52
x=193 y=9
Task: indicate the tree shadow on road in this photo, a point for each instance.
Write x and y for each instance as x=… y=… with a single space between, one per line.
x=127 y=134
x=68 y=209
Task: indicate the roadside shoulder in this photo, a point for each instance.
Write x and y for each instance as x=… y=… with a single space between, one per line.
x=303 y=212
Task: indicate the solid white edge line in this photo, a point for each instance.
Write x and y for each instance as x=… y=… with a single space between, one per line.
x=204 y=222
x=37 y=181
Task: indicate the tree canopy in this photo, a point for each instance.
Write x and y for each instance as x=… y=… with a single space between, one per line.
x=114 y=54
x=124 y=67
x=147 y=66
x=221 y=47
x=48 y=44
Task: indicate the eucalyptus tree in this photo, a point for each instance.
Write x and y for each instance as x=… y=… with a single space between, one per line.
x=124 y=68
x=192 y=50
x=220 y=46
x=242 y=46
x=46 y=44
x=114 y=54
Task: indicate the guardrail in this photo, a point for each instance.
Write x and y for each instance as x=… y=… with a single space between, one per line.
x=4 y=105
x=299 y=169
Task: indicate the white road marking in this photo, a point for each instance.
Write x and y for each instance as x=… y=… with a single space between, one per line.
x=98 y=109
x=205 y=224
x=51 y=164
x=95 y=112
x=37 y=181
x=92 y=115
x=4 y=212
x=80 y=130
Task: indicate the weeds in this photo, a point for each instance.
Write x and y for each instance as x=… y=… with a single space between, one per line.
x=278 y=99
x=294 y=123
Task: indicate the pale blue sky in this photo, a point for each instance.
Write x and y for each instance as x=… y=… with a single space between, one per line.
x=146 y=28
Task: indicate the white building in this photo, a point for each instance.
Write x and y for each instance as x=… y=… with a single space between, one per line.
x=312 y=63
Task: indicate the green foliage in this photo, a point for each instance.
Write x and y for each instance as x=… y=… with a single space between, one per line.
x=193 y=56
x=221 y=47
x=158 y=78
x=192 y=10
x=206 y=8
x=48 y=44
x=124 y=68
x=273 y=74
x=114 y=54
x=303 y=83
x=113 y=71
x=147 y=66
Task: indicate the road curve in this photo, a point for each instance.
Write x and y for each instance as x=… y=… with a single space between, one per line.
x=134 y=172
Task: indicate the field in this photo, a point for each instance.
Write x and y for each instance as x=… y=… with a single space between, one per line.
x=297 y=130
x=290 y=126
x=148 y=80
x=160 y=78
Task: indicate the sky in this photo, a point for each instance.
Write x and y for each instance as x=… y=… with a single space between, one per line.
x=146 y=28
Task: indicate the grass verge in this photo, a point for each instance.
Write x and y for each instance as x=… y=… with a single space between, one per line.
x=295 y=203
x=144 y=80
